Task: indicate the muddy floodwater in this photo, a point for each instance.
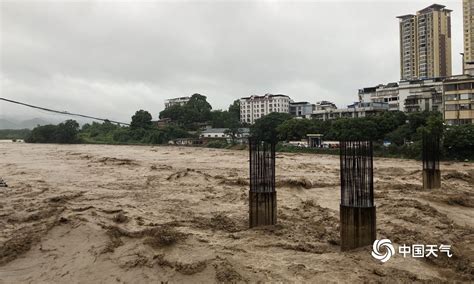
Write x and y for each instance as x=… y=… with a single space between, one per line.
x=112 y=214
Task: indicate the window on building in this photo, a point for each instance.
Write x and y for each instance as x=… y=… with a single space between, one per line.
x=466 y=96
x=451 y=87
x=450 y=122
x=451 y=97
x=465 y=86
x=464 y=106
x=451 y=107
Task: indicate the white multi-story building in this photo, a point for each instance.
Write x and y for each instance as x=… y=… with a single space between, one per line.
x=381 y=94
x=176 y=101
x=255 y=107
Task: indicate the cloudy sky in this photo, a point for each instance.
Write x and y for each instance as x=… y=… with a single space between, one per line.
x=110 y=59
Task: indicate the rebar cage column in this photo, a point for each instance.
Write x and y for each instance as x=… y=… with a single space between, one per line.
x=430 y=156
x=357 y=209
x=262 y=195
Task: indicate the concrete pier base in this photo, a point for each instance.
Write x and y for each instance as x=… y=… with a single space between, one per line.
x=431 y=179
x=358 y=227
x=262 y=208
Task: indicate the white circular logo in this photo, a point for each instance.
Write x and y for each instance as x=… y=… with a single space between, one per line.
x=385 y=244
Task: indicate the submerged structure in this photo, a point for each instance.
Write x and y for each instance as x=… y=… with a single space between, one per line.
x=357 y=208
x=430 y=155
x=262 y=195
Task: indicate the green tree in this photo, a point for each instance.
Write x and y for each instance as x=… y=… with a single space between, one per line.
x=223 y=119
x=233 y=130
x=173 y=132
x=435 y=124
x=295 y=129
x=65 y=132
x=353 y=129
x=459 y=142
x=141 y=119
x=190 y=115
x=234 y=109
x=174 y=112
x=98 y=131
x=198 y=109
x=220 y=119
x=400 y=135
x=122 y=135
x=415 y=120
x=265 y=128
x=42 y=134
x=388 y=122
x=154 y=137
x=14 y=133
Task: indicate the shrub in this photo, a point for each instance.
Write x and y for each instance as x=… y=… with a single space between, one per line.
x=217 y=144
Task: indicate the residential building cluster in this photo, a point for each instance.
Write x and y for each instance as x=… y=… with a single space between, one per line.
x=425 y=65
x=406 y=96
x=426 y=80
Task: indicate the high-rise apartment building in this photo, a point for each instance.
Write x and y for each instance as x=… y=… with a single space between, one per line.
x=468 y=23
x=425 y=43
x=408 y=50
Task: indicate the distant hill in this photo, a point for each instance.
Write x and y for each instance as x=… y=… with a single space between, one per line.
x=28 y=124
x=32 y=123
x=6 y=124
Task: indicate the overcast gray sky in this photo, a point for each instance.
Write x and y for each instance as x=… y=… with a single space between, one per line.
x=110 y=59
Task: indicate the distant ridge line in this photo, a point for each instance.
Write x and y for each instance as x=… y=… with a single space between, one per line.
x=62 y=112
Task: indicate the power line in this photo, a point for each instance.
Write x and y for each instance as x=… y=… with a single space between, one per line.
x=62 y=112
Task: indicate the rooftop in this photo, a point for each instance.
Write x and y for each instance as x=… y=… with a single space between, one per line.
x=436 y=7
x=324 y=103
x=458 y=78
x=266 y=95
x=299 y=103
x=180 y=98
x=403 y=17
x=221 y=130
